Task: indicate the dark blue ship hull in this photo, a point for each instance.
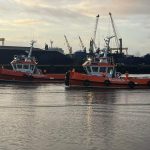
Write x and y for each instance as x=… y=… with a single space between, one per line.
x=54 y=61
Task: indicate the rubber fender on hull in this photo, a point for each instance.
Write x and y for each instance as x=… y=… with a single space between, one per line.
x=67 y=78
x=131 y=84
x=148 y=84
x=86 y=83
x=107 y=82
x=29 y=77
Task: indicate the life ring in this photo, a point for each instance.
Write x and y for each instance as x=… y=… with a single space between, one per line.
x=118 y=74
x=67 y=78
x=86 y=83
x=107 y=82
x=131 y=84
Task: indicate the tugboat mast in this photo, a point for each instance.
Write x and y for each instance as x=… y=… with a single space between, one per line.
x=30 y=52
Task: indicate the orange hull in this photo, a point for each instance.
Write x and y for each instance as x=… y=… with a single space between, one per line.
x=75 y=79
x=7 y=75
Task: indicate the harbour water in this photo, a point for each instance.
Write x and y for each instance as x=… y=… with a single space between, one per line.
x=50 y=117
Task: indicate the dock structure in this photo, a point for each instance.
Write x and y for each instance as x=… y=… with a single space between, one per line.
x=2 y=40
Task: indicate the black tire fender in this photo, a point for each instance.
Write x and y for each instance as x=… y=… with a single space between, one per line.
x=86 y=83
x=67 y=78
x=107 y=83
x=148 y=84
x=131 y=84
x=28 y=76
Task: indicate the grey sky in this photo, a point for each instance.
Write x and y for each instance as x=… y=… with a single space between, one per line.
x=51 y=19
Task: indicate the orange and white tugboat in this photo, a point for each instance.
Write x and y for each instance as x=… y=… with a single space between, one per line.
x=102 y=73
x=24 y=69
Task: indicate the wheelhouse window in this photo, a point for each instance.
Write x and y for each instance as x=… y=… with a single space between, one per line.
x=19 y=66
x=31 y=67
x=88 y=69
x=102 y=69
x=95 y=69
x=26 y=67
x=14 y=66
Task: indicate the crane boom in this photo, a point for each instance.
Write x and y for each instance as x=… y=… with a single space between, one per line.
x=68 y=45
x=95 y=30
x=114 y=30
x=82 y=45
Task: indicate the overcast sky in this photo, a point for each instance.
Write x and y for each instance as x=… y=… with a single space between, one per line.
x=45 y=20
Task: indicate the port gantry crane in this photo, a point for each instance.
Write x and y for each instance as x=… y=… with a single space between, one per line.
x=68 y=45
x=82 y=45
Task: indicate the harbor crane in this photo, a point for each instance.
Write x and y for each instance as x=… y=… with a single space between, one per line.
x=82 y=45
x=107 y=41
x=114 y=30
x=118 y=41
x=92 y=42
x=95 y=30
x=68 y=45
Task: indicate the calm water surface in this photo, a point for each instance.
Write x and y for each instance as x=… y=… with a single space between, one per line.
x=50 y=117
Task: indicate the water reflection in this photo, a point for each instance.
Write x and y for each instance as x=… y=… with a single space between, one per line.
x=100 y=97
x=92 y=96
x=112 y=116
x=99 y=114
x=102 y=125
x=50 y=117
x=109 y=96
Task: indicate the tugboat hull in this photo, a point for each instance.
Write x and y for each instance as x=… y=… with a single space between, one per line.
x=7 y=75
x=75 y=79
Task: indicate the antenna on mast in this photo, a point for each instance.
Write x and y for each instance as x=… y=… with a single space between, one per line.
x=30 y=52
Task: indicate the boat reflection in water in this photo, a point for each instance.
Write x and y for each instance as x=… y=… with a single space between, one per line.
x=52 y=117
x=112 y=119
